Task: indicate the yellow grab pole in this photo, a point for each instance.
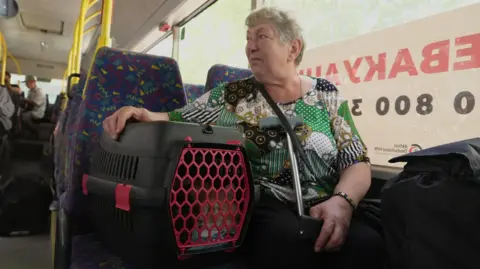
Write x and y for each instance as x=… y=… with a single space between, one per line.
x=91 y=3
x=107 y=11
x=19 y=71
x=64 y=80
x=90 y=29
x=92 y=16
x=79 y=35
x=73 y=68
x=3 y=57
x=70 y=60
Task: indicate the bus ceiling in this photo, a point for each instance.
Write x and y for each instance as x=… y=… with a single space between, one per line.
x=40 y=36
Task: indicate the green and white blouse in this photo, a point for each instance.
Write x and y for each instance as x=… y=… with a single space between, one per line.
x=328 y=135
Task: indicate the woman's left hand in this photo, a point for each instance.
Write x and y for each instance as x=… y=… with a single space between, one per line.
x=336 y=214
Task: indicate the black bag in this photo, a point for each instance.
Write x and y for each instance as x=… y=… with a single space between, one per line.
x=24 y=205
x=431 y=211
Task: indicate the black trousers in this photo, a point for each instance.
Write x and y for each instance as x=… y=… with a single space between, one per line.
x=4 y=154
x=273 y=240
x=3 y=131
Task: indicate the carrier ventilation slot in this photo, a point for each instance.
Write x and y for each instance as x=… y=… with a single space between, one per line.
x=118 y=165
x=119 y=216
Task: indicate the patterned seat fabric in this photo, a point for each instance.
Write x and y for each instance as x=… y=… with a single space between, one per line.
x=66 y=134
x=193 y=91
x=57 y=107
x=59 y=147
x=220 y=74
x=117 y=78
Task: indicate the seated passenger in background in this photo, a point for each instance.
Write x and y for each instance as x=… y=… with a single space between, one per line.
x=274 y=49
x=13 y=89
x=7 y=110
x=35 y=104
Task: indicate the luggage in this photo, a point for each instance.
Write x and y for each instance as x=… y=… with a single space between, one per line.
x=167 y=191
x=24 y=205
x=431 y=211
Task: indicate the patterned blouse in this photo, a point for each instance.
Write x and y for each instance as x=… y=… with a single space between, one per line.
x=328 y=135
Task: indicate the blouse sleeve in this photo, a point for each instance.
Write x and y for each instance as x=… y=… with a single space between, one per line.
x=351 y=148
x=205 y=109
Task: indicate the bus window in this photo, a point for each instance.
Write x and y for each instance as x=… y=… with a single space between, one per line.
x=163 y=48
x=327 y=22
x=409 y=85
x=52 y=88
x=215 y=36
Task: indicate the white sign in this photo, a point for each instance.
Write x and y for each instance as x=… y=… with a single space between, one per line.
x=409 y=87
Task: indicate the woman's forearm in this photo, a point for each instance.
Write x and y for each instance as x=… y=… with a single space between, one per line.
x=157 y=116
x=355 y=181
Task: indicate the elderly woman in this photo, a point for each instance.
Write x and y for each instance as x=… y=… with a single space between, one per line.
x=274 y=49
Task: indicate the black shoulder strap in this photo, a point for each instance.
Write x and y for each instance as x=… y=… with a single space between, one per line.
x=283 y=120
x=288 y=128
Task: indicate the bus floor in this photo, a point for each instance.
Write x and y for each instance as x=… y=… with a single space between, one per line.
x=25 y=252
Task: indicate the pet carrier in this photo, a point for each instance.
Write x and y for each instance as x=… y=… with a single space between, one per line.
x=170 y=190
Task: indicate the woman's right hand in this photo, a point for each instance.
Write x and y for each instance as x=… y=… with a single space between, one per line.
x=115 y=123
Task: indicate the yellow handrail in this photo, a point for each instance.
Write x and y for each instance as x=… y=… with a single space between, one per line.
x=64 y=80
x=90 y=29
x=74 y=65
x=91 y=3
x=92 y=16
x=75 y=51
x=3 y=57
x=70 y=62
x=79 y=36
x=19 y=71
x=105 y=40
x=63 y=104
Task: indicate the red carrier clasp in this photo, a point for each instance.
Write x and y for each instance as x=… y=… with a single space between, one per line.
x=122 y=196
x=84 y=184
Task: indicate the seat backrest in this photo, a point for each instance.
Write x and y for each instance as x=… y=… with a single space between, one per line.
x=57 y=107
x=193 y=91
x=16 y=117
x=48 y=110
x=118 y=78
x=59 y=147
x=66 y=136
x=220 y=74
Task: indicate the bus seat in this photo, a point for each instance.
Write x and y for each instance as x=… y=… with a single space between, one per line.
x=57 y=107
x=62 y=115
x=65 y=152
x=48 y=111
x=117 y=78
x=193 y=91
x=219 y=74
x=380 y=175
x=59 y=140
x=59 y=145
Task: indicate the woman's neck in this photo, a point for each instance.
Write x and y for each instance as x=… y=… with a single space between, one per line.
x=285 y=90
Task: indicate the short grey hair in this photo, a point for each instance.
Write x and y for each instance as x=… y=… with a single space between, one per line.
x=287 y=27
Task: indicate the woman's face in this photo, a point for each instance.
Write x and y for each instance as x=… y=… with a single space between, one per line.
x=267 y=55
